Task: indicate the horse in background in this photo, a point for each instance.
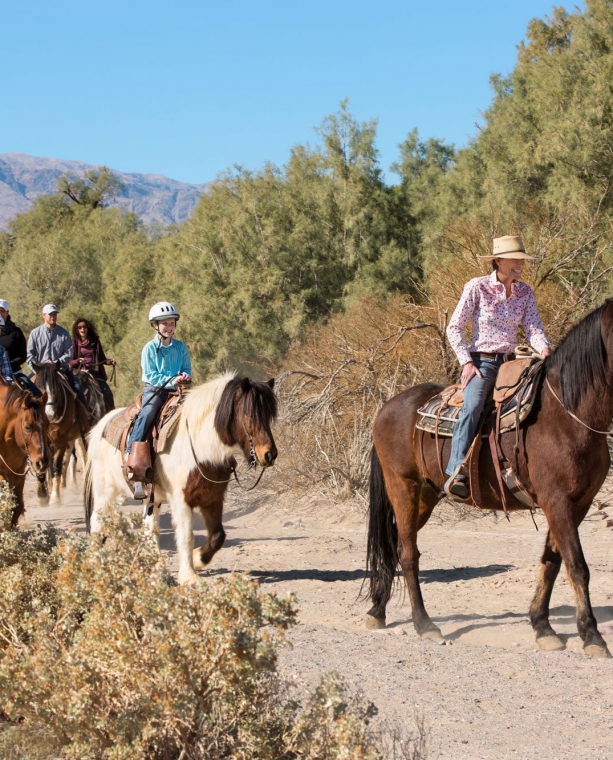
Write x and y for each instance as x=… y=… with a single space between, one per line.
x=221 y=419
x=24 y=436
x=68 y=421
x=562 y=462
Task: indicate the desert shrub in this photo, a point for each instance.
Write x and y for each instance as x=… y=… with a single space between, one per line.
x=334 y=383
x=102 y=655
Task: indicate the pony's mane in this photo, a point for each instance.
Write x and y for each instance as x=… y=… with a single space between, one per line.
x=259 y=400
x=204 y=399
x=581 y=358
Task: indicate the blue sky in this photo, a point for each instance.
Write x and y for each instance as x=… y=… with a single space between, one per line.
x=191 y=87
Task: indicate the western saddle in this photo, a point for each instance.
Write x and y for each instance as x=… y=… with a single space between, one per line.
x=117 y=430
x=513 y=398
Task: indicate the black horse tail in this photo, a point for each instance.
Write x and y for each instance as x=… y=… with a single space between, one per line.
x=382 y=547
x=88 y=496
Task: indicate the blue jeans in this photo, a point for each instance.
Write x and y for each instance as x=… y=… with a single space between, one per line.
x=153 y=400
x=476 y=394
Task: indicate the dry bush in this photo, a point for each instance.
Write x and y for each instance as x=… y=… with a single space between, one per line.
x=336 y=381
x=102 y=655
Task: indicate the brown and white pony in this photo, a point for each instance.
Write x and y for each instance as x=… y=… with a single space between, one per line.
x=563 y=459
x=24 y=441
x=219 y=420
x=67 y=423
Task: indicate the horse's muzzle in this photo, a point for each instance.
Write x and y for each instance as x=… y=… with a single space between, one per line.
x=269 y=457
x=40 y=466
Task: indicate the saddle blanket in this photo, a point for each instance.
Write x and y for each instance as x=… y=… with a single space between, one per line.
x=163 y=427
x=443 y=410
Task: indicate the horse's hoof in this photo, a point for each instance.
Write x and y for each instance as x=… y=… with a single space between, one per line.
x=373 y=623
x=550 y=644
x=43 y=501
x=597 y=650
x=189 y=580
x=197 y=560
x=432 y=634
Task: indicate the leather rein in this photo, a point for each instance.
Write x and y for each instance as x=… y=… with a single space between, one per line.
x=574 y=416
x=252 y=464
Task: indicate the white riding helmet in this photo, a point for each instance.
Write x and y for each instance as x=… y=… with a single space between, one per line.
x=163 y=310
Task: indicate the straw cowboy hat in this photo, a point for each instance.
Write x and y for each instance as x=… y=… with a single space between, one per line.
x=508 y=247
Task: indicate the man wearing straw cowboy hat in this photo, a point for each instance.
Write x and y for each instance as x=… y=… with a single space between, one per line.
x=497 y=304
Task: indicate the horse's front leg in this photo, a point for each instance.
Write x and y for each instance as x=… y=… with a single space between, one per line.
x=212 y=516
x=56 y=474
x=182 y=520
x=41 y=490
x=563 y=525
x=20 y=508
x=151 y=523
x=406 y=496
x=546 y=637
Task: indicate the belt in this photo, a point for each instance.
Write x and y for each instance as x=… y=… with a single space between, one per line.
x=495 y=357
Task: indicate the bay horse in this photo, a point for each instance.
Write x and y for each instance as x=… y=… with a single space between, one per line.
x=563 y=461
x=24 y=440
x=219 y=420
x=67 y=422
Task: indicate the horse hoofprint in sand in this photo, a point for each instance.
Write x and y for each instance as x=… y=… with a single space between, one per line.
x=219 y=420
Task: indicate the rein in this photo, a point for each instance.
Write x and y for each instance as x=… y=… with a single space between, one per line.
x=600 y=432
x=234 y=473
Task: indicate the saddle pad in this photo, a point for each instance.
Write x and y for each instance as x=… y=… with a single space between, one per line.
x=113 y=430
x=436 y=409
x=169 y=423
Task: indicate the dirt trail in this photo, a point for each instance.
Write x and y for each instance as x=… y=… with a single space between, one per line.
x=488 y=692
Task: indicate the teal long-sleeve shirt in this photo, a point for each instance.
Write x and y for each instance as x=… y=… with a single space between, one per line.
x=161 y=363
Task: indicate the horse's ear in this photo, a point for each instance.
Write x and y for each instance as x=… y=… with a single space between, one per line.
x=43 y=399
x=26 y=399
x=245 y=385
x=271 y=382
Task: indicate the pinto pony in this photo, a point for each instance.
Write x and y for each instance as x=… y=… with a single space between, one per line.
x=24 y=443
x=219 y=420
x=67 y=423
x=563 y=460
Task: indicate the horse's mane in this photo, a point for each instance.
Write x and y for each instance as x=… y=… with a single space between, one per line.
x=581 y=358
x=260 y=403
x=46 y=373
x=13 y=394
x=203 y=400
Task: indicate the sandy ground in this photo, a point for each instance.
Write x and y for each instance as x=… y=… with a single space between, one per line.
x=488 y=692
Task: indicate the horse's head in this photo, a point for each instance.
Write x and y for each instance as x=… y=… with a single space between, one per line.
x=32 y=428
x=244 y=417
x=46 y=378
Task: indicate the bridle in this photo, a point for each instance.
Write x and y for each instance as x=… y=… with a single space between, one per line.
x=25 y=451
x=252 y=464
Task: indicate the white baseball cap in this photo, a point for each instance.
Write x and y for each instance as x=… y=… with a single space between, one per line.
x=49 y=308
x=4 y=304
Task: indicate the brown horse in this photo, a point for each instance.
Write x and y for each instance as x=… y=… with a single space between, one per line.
x=67 y=422
x=25 y=445
x=562 y=464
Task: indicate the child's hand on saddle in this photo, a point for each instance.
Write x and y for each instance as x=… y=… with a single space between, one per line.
x=182 y=379
x=468 y=372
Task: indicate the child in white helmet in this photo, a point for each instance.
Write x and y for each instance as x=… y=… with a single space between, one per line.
x=166 y=365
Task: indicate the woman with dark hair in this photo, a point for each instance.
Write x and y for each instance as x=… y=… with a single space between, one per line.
x=87 y=353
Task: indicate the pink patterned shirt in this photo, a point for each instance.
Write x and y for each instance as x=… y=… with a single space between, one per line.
x=495 y=318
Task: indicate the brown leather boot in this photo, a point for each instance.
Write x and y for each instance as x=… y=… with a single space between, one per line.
x=139 y=461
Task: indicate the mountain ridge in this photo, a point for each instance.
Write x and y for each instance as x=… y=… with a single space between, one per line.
x=153 y=197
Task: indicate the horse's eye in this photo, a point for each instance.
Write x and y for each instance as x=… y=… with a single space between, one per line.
x=28 y=428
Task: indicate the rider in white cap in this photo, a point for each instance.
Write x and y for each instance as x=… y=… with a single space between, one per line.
x=6 y=371
x=166 y=364
x=49 y=343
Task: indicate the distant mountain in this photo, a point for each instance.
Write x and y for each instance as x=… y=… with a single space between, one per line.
x=153 y=197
